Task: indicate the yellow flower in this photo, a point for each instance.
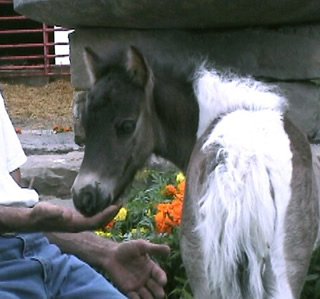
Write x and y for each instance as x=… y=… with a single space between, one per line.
x=180 y=177
x=102 y=233
x=122 y=215
x=148 y=212
x=143 y=230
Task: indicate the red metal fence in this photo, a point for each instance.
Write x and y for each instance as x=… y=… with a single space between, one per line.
x=28 y=48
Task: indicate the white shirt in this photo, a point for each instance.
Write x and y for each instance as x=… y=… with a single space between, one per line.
x=12 y=157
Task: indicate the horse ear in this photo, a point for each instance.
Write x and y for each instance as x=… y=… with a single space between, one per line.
x=138 y=67
x=92 y=62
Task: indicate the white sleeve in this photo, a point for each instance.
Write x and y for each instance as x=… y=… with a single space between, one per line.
x=9 y=141
x=12 y=157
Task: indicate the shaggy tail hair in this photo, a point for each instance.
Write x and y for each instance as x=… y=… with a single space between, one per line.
x=236 y=222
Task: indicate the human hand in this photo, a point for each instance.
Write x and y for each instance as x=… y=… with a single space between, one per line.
x=132 y=270
x=46 y=216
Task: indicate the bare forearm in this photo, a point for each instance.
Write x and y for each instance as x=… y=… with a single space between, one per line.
x=39 y=218
x=87 y=246
x=46 y=217
x=14 y=219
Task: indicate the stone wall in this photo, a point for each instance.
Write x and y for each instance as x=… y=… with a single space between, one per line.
x=277 y=41
x=287 y=57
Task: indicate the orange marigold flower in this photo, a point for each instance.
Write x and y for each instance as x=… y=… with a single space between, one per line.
x=168 y=216
x=170 y=190
x=110 y=224
x=181 y=187
x=66 y=128
x=179 y=196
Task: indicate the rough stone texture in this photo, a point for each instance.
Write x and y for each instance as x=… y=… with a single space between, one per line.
x=304 y=107
x=46 y=142
x=168 y=13
x=79 y=98
x=277 y=55
x=52 y=174
x=269 y=60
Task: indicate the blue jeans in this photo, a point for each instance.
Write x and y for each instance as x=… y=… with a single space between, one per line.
x=31 y=268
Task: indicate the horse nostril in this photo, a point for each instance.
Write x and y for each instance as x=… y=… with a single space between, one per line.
x=86 y=201
x=89 y=202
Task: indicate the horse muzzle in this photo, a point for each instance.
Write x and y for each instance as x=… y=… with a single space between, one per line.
x=89 y=198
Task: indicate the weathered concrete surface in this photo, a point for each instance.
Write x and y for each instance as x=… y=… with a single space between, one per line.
x=168 y=13
x=47 y=142
x=78 y=105
x=272 y=54
x=304 y=107
x=52 y=174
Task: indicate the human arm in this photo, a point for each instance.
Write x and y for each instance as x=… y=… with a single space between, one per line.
x=45 y=216
x=127 y=264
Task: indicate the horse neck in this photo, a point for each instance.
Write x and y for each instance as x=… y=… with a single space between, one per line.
x=176 y=121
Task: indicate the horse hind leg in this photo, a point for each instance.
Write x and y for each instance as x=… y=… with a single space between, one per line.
x=294 y=241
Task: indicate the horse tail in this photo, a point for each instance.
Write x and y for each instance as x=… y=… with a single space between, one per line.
x=237 y=212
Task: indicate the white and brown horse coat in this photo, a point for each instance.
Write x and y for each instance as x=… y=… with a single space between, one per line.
x=250 y=215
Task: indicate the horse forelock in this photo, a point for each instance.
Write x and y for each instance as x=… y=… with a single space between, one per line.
x=223 y=93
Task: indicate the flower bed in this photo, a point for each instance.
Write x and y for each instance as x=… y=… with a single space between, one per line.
x=153 y=212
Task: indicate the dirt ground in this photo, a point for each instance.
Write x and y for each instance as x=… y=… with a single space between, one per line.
x=39 y=107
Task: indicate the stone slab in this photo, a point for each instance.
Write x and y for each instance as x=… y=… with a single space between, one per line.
x=52 y=174
x=169 y=14
x=37 y=142
x=79 y=98
x=271 y=54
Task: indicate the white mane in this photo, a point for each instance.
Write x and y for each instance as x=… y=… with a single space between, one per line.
x=217 y=95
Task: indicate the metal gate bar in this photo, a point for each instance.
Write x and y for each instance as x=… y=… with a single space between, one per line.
x=39 y=56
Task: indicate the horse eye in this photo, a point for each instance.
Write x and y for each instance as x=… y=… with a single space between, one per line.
x=126 y=127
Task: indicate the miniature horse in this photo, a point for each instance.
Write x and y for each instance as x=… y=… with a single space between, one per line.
x=250 y=214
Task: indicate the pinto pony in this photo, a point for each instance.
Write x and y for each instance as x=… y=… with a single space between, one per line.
x=250 y=214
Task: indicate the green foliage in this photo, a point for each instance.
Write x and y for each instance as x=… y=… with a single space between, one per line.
x=145 y=193
x=142 y=198
x=311 y=288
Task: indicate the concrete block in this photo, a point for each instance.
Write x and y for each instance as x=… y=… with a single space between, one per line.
x=169 y=14
x=261 y=53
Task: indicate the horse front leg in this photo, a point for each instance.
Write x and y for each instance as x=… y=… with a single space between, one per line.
x=193 y=262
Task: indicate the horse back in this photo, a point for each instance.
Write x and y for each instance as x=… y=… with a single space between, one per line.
x=252 y=216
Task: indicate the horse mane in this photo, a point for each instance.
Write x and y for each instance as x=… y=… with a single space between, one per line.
x=221 y=93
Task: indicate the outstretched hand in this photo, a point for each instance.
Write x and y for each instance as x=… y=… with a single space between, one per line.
x=45 y=216
x=132 y=270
